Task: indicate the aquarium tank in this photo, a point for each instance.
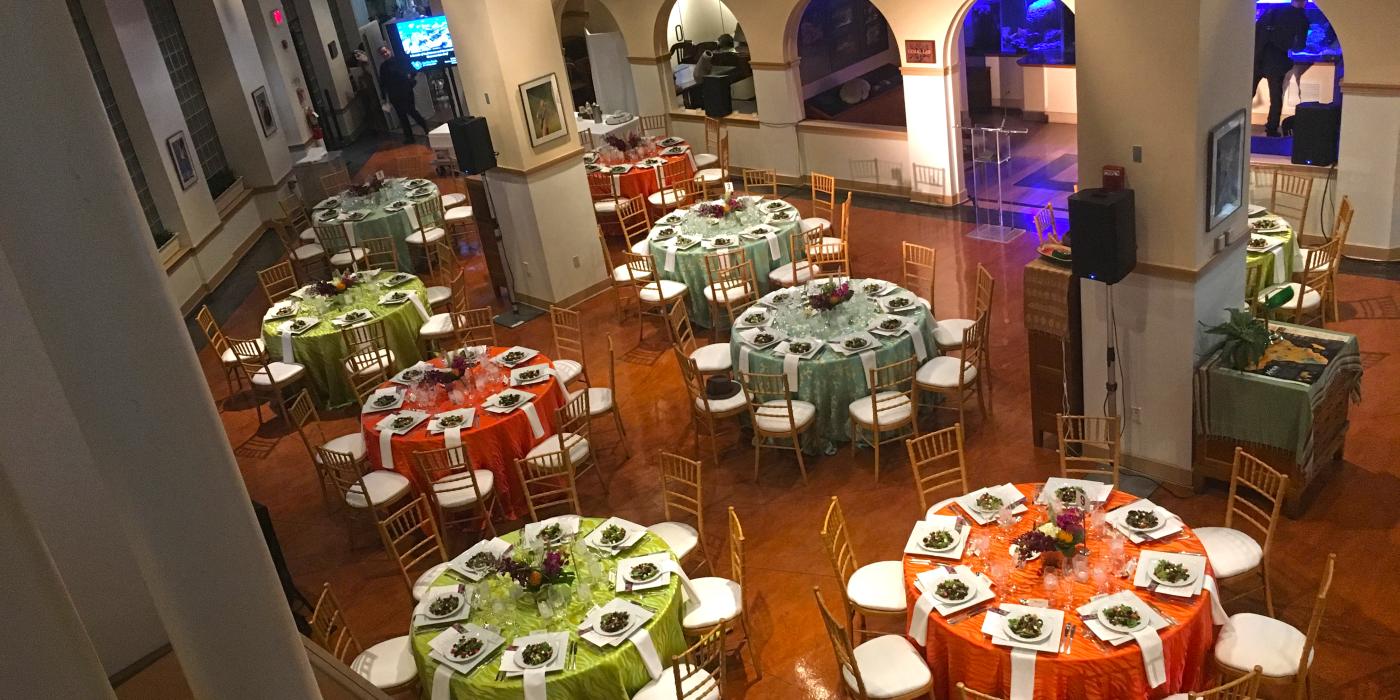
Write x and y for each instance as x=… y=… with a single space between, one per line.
x=1321 y=44
x=1039 y=31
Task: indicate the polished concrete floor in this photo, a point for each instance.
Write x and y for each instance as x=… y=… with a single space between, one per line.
x=1355 y=515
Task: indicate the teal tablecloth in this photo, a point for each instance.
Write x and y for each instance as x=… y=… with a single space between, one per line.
x=831 y=380
x=689 y=264
x=381 y=222
x=614 y=673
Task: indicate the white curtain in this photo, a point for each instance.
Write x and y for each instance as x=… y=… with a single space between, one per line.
x=612 y=75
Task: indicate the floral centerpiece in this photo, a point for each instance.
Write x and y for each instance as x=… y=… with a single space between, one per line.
x=456 y=364
x=633 y=140
x=368 y=187
x=1062 y=535
x=721 y=208
x=330 y=288
x=830 y=296
x=550 y=571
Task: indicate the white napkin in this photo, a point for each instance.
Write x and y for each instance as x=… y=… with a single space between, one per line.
x=442 y=682
x=937 y=522
x=1217 y=611
x=867 y=363
x=744 y=351
x=789 y=367
x=1151 y=645
x=1022 y=674
x=287 y=354
x=775 y=251
x=918 y=337
x=918 y=620
x=412 y=212
x=534 y=685
x=1096 y=491
x=418 y=304
x=1195 y=563
x=350 y=231
x=994 y=624
x=534 y=417
x=1006 y=492
x=1089 y=612
x=1168 y=522
x=927 y=582
x=452 y=437
x=386 y=448
x=670 y=264
x=647 y=649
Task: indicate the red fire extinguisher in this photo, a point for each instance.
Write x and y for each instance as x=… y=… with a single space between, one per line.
x=313 y=122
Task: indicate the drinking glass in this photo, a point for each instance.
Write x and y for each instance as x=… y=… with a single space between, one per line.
x=1100 y=575
x=999 y=568
x=1117 y=550
x=1081 y=568
x=1051 y=583
x=1066 y=590
x=981 y=542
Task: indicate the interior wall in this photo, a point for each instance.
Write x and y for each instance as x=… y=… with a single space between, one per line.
x=286 y=85
x=701 y=20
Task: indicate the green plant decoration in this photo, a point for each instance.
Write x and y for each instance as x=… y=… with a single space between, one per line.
x=1245 y=338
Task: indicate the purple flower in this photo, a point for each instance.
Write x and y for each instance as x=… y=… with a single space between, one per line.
x=830 y=296
x=1033 y=542
x=1070 y=520
x=615 y=142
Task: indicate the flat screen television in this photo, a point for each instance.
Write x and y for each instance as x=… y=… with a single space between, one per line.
x=424 y=41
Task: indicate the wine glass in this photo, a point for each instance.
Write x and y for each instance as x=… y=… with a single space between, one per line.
x=999 y=569
x=1099 y=574
x=1065 y=586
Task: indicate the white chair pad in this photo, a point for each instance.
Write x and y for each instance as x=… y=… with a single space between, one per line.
x=229 y=358
x=382 y=486
x=705 y=160
x=711 y=175
x=925 y=302
x=642 y=247
x=352 y=444
x=425 y=236
x=723 y=293
x=664 y=687
x=712 y=358
x=878 y=586
x=388 y=664
x=828 y=241
x=1307 y=296
x=458 y=213
x=370 y=361
x=1248 y=640
x=600 y=400
x=783 y=276
x=669 y=289
x=933 y=509
x=347 y=257
x=282 y=372
x=948 y=333
x=680 y=537
x=425 y=581
x=811 y=222
x=942 y=372
x=623 y=273
x=453 y=199
x=309 y=235
x=892 y=412
x=438 y=295
x=776 y=421
x=718 y=600
x=1230 y=551
x=734 y=402
x=605 y=206
x=670 y=196
x=578 y=449
x=568 y=370
x=437 y=325
x=890 y=667
x=451 y=493
x=308 y=251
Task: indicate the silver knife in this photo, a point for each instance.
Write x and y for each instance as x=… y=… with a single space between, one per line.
x=1168 y=618
x=1069 y=646
x=960 y=617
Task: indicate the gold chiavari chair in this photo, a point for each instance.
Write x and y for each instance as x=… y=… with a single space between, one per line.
x=1283 y=653
x=1253 y=285
x=775 y=415
x=308 y=259
x=570 y=448
x=459 y=220
x=265 y=376
x=720 y=601
x=335 y=181
x=440 y=327
x=958 y=378
x=1089 y=446
x=675 y=190
x=474 y=327
x=585 y=139
x=411 y=540
x=548 y=484
x=823 y=202
x=873 y=590
x=381 y=253
x=454 y=199
x=697 y=673
x=761 y=181
x=947 y=333
x=1234 y=554
x=306 y=420
x=703 y=190
x=460 y=494
x=362 y=493
x=278 y=282
x=888 y=410
x=717 y=173
x=620 y=277
x=1261 y=183
x=363 y=373
x=429 y=231
x=713 y=151
x=682 y=492
x=1341 y=228
x=1306 y=303
x=709 y=359
x=233 y=374
x=335 y=240
x=1044 y=220
x=920 y=263
x=367 y=345
x=938 y=464
x=893 y=665
x=705 y=411
x=295 y=219
x=798 y=270
x=830 y=259
x=654 y=295
x=730 y=286
x=602 y=401
x=388 y=665
x=606 y=202
x=655 y=124
x=635 y=221
x=966 y=693
x=1290 y=198
x=570 y=360
x=1245 y=687
x=439 y=291
x=843 y=235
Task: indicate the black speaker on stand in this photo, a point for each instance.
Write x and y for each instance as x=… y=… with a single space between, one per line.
x=1317 y=133
x=1104 y=231
x=715 y=92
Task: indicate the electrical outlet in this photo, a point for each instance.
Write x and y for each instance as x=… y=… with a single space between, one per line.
x=526 y=266
x=577 y=264
x=1137 y=154
x=1136 y=414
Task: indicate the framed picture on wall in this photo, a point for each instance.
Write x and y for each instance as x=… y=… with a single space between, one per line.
x=182 y=157
x=1225 y=168
x=264 y=110
x=544 y=111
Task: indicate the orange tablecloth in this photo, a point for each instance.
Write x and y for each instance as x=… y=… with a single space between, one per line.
x=645 y=181
x=493 y=442
x=963 y=653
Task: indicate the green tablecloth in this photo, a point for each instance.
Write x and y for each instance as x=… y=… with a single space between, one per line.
x=831 y=380
x=1272 y=272
x=380 y=222
x=599 y=674
x=322 y=350
x=689 y=265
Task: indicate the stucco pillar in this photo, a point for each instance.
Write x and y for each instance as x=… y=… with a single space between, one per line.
x=285 y=83
x=652 y=77
x=1368 y=169
x=935 y=144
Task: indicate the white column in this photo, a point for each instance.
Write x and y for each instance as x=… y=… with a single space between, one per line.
x=83 y=263
x=935 y=145
x=1368 y=170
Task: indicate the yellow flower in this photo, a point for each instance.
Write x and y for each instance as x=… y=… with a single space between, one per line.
x=1064 y=536
x=340 y=284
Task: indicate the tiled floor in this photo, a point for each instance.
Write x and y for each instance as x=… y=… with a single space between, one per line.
x=1355 y=516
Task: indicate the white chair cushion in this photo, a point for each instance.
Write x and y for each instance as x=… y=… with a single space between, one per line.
x=352 y=444
x=605 y=206
x=669 y=289
x=890 y=667
x=451 y=493
x=736 y=401
x=578 y=450
x=723 y=293
x=891 y=412
x=438 y=295
x=347 y=257
x=828 y=241
x=705 y=160
x=878 y=586
x=777 y=421
x=437 y=325
x=711 y=175
x=925 y=302
x=382 y=486
x=453 y=199
x=229 y=358
x=600 y=400
x=425 y=581
x=783 y=276
x=388 y=664
x=623 y=273
x=458 y=213
x=933 y=509
x=380 y=359
x=719 y=600
x=568 y=370
x=812 y=222
x=943 y=372
x=642 y=247
x=1230 y=551
x=282 y=372
x=1307 y=296
x=1248 y=640
x=948 y=333
x=670 y=196
x=712 y=358
x=664 y=687
x=309 y=235
x=680 y=537
x=425 y=236
x=308 y=251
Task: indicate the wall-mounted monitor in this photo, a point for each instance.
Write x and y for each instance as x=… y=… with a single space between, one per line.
x=424 y=41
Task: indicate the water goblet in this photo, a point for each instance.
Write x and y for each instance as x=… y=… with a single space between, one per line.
x=1051 y=583
x=999 y=569
x=1099 y=574
x=1066 y=590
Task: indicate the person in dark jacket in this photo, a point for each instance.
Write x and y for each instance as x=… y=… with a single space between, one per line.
x=1278 y=31
x=396 y=80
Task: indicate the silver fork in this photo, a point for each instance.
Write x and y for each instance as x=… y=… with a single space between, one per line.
x=1064 y=638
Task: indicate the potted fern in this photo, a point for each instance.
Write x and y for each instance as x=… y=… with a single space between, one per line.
x=1245 y=338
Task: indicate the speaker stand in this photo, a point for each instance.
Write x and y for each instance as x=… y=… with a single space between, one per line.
x=519 y=313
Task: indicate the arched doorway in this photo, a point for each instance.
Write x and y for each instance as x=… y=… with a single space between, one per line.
x=849 y=64
x=706 y=43
x=594 y=54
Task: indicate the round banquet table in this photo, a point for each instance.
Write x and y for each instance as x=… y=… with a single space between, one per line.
x=494 y=441
x=379 y=220
x=1276 y=260
x=322 y=350
x=638 y=179
x=768 y=252
x=614 y=673
x=962 y=652
x=831 y=380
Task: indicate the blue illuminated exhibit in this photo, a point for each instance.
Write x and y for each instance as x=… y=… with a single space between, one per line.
x=1040 y=31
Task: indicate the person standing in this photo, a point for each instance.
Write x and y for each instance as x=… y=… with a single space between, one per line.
x=396 y=79
x=1276 y=32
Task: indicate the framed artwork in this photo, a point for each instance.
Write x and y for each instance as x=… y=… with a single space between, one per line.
x=1225 y=168
x=264 y=110
x=182 y=157
x=544 y=111
x=920 y=51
